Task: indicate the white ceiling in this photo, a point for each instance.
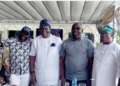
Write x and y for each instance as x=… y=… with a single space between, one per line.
x=56 y=11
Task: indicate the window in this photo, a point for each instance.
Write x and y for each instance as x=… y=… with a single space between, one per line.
x=86 y=35
x=15 y=33
x=59 y=31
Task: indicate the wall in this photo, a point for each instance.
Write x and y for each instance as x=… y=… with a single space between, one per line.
x=88 y=28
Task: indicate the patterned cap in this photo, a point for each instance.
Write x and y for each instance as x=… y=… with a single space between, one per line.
x=107 y=28
x=45 y=23
x=26 y=29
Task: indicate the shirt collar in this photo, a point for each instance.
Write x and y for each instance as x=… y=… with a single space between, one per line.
x=75 y=40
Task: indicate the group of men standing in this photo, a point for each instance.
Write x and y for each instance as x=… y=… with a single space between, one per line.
x=45 y=58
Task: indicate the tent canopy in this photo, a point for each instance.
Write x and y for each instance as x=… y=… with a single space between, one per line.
x=88 y=12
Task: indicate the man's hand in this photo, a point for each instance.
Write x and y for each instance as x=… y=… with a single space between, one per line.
x=6 y=68
x=33 y=78
x=63 y=80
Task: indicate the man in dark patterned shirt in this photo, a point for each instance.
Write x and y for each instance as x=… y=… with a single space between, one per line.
x=19 y=57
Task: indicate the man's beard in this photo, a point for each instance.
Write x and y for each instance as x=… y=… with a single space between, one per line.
x=75 y=36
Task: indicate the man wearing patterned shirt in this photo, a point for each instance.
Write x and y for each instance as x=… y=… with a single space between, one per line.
x=19 y=57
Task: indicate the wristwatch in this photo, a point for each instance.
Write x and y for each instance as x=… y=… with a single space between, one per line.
x=32 y=72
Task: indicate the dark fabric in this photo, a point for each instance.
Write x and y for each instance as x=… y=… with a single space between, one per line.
x=2 y=74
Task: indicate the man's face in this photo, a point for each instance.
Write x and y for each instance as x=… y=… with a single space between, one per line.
x=106 y=37
x=45 y=31
x=77 y=31
x=23 y=36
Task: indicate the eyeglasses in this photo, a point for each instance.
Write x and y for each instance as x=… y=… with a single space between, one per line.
x=78 y=28
x=105 y=33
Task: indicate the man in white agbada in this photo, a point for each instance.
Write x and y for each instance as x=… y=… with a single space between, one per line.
x=106 y=60
x=44 y=57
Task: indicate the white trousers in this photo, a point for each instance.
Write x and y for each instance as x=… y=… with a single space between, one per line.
x=20 y=80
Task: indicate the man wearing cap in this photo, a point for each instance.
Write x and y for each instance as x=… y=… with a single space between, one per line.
x=44 y=57
x=19 y=57
x=106 y=60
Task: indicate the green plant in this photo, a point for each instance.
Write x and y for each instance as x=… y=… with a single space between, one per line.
x=118 y=37
x=97 y=43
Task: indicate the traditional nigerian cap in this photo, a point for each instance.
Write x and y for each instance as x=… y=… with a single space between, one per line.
x=45 y=22
x=107 y=28
x=26 y=29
